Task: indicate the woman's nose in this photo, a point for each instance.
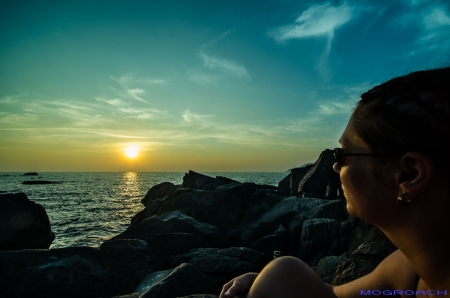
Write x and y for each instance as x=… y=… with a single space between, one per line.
x=337 y=168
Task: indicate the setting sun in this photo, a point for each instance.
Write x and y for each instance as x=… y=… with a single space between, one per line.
x=131 y=151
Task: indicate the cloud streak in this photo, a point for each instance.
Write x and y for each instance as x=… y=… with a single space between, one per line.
x=319 y=21
x=215 y=67
x=129 y=79
x=226 y=66
x=433 y=22
x=136 y=94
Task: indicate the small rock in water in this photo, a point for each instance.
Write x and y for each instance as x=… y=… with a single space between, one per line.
x=30 y=174
x=40 y=182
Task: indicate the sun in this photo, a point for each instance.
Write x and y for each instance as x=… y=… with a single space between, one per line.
x=131 y=151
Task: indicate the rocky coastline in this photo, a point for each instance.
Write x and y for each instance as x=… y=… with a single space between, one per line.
x=192 y=238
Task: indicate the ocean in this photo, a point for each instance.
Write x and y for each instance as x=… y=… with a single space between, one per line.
x=86 y=209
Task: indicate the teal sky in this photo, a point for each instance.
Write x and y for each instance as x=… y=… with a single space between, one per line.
x=201 y=85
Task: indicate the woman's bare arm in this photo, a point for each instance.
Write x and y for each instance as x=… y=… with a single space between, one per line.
x=393 y=273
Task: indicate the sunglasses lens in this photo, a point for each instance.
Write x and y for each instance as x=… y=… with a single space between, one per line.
x=339 y=156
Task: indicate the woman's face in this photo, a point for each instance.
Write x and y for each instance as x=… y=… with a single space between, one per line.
x=367 y=198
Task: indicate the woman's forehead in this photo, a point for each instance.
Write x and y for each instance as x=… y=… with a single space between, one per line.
x=350 y=138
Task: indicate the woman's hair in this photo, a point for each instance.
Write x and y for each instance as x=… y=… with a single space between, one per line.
x=408 y=113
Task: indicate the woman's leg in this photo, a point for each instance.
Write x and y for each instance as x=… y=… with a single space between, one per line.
x=289 y=277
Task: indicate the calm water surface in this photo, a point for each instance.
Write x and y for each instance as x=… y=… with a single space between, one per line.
x=86 y=209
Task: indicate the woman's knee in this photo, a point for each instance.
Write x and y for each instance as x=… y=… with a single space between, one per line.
x=287 y=277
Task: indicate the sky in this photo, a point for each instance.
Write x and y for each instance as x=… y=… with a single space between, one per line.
x=216 y=86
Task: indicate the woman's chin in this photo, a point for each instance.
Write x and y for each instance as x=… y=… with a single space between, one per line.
x=350 y=210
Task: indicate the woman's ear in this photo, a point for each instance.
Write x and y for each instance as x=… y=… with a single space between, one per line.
x=414 y=173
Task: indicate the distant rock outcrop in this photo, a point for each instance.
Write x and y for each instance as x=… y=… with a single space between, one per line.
x=190 y=239
x=30 y=174
x=23 y=223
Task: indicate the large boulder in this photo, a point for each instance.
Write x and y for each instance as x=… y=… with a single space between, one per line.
x=297 y=174
x=199 y=181
x=224 y=264
x=181 y=281
x=66 y=272
x=319 y=238
x=166 y=245
x=173 y=222
x=284 y=186
x=365 y=258
x=159 y=191
x=23 y=223
x=127 y=262
x=320 y=175
x=326 y=267
x=290 y=184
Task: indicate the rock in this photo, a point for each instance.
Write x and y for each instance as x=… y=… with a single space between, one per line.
x=319 y=238
x=236 y=201
x=290 y=184
x=255 y=227
x=30 y=182
x=329 y=209
x=268 y=244
x=327 y=266
x=202 y=296
x=30 y=174
x=132 y=295
x=182 y=281
x=199 y=181
x=127 y=262
x=66 y=272
x=284 y=186
x=159 y=191
x=364 y=259
x=166 y=245
x=224 y=264
x=289 y=212
x=320 y=175
x=297 y=175
x=173 y=222
x=23 y=223
x=331 y=190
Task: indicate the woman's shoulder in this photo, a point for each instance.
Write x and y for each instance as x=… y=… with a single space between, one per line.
x=393 y=273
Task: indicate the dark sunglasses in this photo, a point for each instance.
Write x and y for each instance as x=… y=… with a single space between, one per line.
x=339 y=155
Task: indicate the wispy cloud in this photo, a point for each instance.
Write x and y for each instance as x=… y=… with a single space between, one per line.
x=140 y=113
x=317 y=21
x=199 y=77
x=226 y=66
x=129 y=79
x=190 y=117
x=8 y=99
x=436 y=17
x=216 y=67
x=136 y=94
x=209 y=43
x=335 y=108
x=112 y=101
x=432 y=18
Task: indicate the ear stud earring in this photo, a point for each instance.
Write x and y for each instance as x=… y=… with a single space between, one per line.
x=402 y=200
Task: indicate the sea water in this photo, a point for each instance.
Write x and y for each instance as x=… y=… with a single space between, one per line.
x=86 y=209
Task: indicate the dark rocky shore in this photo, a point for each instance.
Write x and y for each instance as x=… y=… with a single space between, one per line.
x=192 y=238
